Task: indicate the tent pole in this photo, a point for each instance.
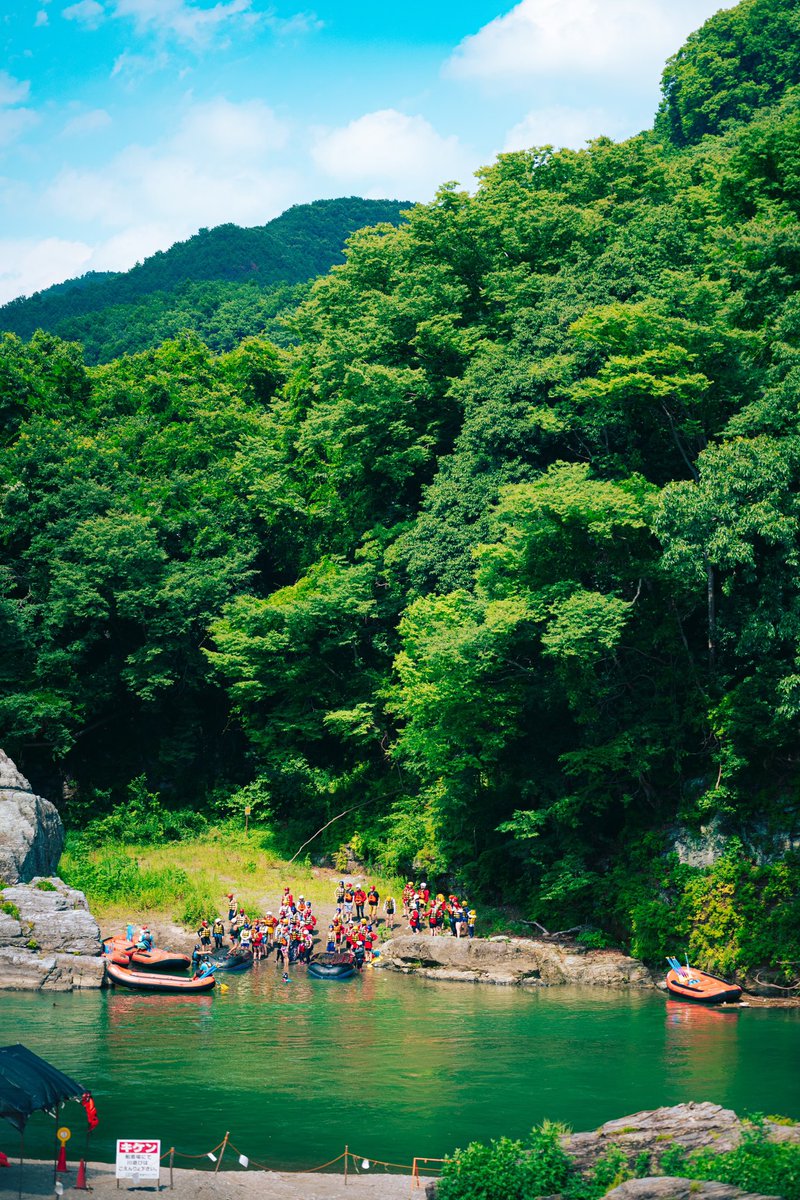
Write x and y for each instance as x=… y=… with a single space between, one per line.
x=55 y=1139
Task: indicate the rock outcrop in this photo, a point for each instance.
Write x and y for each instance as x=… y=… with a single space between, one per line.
x=512 y=961
x=668 y=1187
x=690 y=1126
x=48 y=939
x=31 y=833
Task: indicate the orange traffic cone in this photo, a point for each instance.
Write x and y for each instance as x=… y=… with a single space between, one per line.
x=80 y=1183
x=61 y=1165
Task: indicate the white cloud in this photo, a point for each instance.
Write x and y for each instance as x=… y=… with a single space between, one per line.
x=12 y=90
x=579 y=37
x=226 y=130
x=41 y=18
x=561 y=126
x=301 y=23
x=185 y=22
x=14 y=122
x=86 y=12
x=216 y=167
x=28 y=265
x=87 y=122
x=388 y=153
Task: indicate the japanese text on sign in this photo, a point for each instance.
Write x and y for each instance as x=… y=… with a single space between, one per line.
x=138 y=1159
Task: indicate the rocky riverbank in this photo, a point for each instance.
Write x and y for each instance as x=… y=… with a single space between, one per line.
x=515 y=961
x=48 y=938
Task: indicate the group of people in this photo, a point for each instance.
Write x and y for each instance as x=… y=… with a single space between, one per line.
x=437 y=914
x=291 y=931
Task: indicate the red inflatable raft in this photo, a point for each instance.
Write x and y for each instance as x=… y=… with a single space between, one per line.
x=123 y=953
x=701 y=987
x=144 y=981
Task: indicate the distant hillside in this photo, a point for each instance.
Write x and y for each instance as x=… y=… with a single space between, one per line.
x=227 y=282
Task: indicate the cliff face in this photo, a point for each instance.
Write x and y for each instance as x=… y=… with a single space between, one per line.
x=31 y=833
x=512 y=961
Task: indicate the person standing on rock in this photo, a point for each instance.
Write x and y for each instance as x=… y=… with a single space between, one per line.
x=472 y=917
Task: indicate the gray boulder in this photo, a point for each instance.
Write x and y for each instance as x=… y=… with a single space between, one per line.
x=503 y=960
x=691 y=1126
x=31 y=833
x=671 y=1188
x=49 y=940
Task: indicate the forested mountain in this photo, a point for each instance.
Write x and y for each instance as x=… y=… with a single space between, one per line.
x=226 y=283
x=504 y=549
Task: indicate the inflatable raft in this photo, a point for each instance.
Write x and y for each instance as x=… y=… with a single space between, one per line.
x=144 y=981
x=232 y=962
x=701 y=987
x=124 y=953
x=339 y=967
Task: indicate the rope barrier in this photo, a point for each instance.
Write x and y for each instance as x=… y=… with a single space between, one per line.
x=172 y=1154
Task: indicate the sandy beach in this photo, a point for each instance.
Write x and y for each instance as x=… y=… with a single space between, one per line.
x=37 y=1181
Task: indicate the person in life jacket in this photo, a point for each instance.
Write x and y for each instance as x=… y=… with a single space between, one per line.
x=233 y=907
x=204 y=933
x=246 y=938
x=348 y=897
x=389 y=908
x=145 y=939
x=372 y=900
x=218 y=930
x=472 y=917
x=340 y=891
x=360 y=898
x=414 y=919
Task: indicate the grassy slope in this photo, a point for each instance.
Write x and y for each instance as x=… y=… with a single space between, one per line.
x=182 y=881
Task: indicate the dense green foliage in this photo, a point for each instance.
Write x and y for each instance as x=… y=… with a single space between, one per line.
x=501 y=556
x=539 y=1166
x=225 y=284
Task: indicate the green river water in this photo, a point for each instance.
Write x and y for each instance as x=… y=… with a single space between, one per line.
x=394 y=1066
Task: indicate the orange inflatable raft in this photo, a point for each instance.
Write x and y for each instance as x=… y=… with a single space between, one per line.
x=690 y=984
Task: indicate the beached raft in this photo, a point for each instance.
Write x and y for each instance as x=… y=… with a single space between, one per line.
x=146 y=981
x=701 y=987
x=125 y=953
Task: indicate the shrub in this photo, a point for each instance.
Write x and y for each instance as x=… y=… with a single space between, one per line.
x=512 y=1169
x=144 y=820
x=10 y=909
x=594 y=939
x=756 y=1165
x=44 y=885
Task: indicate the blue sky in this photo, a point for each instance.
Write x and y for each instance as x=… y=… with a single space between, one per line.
x=126 y=125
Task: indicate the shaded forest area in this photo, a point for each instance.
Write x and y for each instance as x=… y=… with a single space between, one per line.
x=500 y=549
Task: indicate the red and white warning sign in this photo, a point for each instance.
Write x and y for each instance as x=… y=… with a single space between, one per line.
x=138 y=1160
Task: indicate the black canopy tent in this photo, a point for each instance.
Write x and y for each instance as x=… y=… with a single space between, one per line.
x=28 y=1084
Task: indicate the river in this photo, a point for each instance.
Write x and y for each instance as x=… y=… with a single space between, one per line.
x=393 y=1066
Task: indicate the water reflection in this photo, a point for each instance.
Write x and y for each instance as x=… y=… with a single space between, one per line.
x=296 y=1070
